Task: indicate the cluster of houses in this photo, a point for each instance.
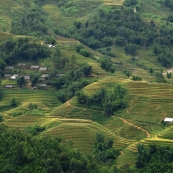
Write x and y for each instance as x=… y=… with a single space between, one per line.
x=26 y=77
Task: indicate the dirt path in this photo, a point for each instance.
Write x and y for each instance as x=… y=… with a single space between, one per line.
x=125 y=121
x=138 y=127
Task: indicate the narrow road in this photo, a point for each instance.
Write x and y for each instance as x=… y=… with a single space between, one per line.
x=138 y=127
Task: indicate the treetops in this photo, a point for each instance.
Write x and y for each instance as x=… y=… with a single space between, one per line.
x=109 y=101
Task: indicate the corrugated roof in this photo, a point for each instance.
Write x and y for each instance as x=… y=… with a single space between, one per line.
x=35 y=66
x=42 y=68
x=168 y=119
x=9 y=67
x=44 y=75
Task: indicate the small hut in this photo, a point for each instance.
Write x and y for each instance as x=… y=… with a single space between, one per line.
x=35 y=67
x=9 y=67
x=43 y=85
x=15 y=76
x=168 y=120
x=27 y=77
x=59 y=75
x=44 y=76
x=21 y=64
x=9 y=86
x=7 y=75
x=43 y=69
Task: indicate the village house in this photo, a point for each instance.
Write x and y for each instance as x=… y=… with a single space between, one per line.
x=21 y=64
x=7 y=75
x=51 y=46
x=27 y=77
x=59 y=75
x=35 y=67
x=168 y=120
x=44 y=76
x=42 y=85
x=15 y=76
x=9 y=67
x=43 y=69
x=9 y=86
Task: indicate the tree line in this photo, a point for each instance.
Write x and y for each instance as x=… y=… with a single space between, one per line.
x=110 y=102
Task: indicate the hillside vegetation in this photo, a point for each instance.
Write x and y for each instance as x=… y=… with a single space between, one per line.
x=103 y=85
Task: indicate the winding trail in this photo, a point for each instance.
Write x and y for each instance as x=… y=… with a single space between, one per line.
x=138 y=127
x=125 y=121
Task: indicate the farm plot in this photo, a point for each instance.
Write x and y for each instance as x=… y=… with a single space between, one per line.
x=82 y=133
x=128 y=156
x=24 y=121
x=151 y=103
x=148 y=104
x=124 y=130
x=166 y=133
x=156 y=140
x=25 y=96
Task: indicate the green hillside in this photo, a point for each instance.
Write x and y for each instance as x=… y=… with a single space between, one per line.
x=87 y=48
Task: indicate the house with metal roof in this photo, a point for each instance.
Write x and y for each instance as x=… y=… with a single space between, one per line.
x=15 y=76
x=43 y=69
x=21 y=64
x=43 y=85
x=9 y=67
x=7 y=75
x=168 y=120
x=59 y=75
x=44 y=76
x=9 y=86
x=27 y=77
x=35 y=67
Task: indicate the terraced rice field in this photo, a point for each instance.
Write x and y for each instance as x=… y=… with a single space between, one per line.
x=124 y=130
x=167 y=133
x=128 y=155
x=149 y=103
x=24 y=95
x=113 y=2
x=156 y=140
x=24 y=121
x=82 y=133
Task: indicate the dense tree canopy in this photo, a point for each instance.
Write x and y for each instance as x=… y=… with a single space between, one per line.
x=109 y=101
x=13 y=50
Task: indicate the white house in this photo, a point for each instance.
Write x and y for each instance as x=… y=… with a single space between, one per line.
x=43 y=69
x=168 y=120
x=35 y=67
x=44 y=76
x=51 y=46
x=15 y=76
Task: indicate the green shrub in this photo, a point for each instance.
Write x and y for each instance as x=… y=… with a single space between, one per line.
x=17 y=113
x=136 y=78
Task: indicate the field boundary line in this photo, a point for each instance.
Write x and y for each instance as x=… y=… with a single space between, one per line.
x=138 y=127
